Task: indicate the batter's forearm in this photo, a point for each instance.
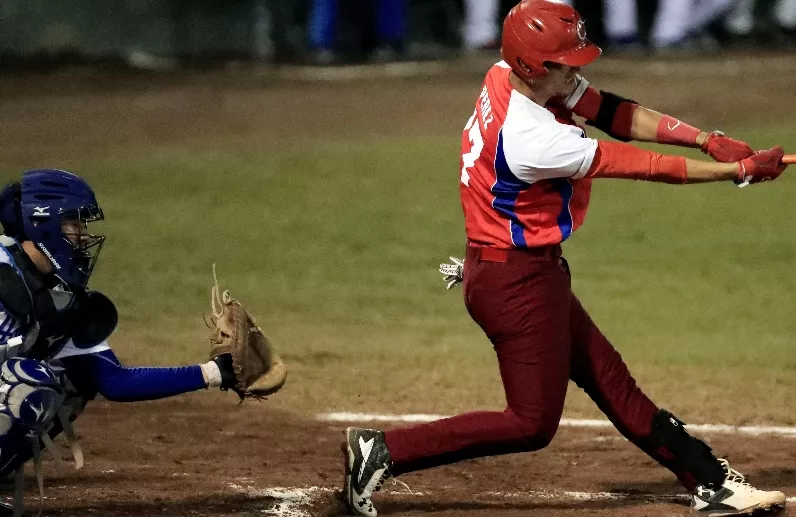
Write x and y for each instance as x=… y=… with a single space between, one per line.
x=625 y=161
x=699 y=171
x=651 y=126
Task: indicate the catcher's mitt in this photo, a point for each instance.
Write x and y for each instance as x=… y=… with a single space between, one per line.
x=258 y=369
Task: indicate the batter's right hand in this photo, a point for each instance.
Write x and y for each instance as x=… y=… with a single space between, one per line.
x=761 y=166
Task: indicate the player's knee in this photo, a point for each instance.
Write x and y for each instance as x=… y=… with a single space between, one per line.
x=537 y=431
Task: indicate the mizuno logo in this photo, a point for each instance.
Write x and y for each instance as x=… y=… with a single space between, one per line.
x=40 y=211
x=673 y=127
x=365 y=447
x=49 y=256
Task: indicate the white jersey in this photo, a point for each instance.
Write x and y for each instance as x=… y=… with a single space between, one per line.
x=538 y=147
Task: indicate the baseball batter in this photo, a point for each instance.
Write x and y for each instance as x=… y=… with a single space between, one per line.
x=54 y=354
x=525 y=180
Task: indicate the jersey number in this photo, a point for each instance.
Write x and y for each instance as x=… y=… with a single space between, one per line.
x=473 y=129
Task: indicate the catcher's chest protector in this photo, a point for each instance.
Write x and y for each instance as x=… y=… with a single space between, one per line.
x=38 y=311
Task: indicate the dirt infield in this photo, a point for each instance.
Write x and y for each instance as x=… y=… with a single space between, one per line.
x=204 y=456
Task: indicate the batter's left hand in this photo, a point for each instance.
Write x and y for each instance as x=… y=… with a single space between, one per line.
x=725 y=149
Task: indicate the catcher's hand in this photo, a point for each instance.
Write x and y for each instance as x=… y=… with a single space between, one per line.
x=237 y=343
x=453 y=273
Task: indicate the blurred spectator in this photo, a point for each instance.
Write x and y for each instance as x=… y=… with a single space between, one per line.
x=387 y=17
x=481 y=25
x=762 y=21
x=678 y=22
x=621 y=23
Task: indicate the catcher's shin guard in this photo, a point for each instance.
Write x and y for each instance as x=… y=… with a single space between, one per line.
x=367 y=465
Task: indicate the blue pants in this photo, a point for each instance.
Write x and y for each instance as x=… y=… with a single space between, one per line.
x=390 y=22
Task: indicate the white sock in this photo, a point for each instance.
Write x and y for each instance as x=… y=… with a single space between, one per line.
x=211 y=374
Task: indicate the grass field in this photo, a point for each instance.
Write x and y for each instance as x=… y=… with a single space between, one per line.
x=329 y=223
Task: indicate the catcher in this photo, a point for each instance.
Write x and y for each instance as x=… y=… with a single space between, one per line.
x=54 y=354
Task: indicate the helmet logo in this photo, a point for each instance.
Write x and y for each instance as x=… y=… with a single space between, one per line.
x=50 y=256
x=581 y=30
x=40 y=211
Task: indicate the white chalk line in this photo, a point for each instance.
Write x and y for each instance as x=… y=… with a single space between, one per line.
x=292 y=502
x=567 y=495
x=748 y=430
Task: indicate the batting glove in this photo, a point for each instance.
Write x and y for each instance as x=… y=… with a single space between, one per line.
x=725 y=149
x=762 y=166
x=453 y=273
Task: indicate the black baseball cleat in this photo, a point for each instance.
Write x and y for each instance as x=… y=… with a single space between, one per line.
x=735 y=497
x=367 y=466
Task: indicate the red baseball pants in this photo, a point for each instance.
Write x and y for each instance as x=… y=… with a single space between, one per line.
x=543 y=338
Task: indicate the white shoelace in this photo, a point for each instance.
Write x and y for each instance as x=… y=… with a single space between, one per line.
x=732 y=474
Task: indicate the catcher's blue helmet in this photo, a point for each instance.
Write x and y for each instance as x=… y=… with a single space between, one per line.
x=34 y=210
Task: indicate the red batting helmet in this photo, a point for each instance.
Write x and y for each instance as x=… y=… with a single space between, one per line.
x=536 y=31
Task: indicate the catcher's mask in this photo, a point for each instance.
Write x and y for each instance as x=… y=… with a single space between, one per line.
x=48 y=199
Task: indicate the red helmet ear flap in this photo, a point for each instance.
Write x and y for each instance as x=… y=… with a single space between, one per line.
x=531 y=72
